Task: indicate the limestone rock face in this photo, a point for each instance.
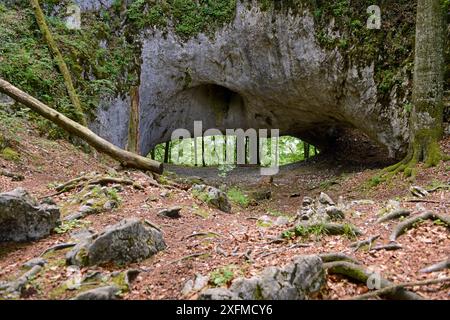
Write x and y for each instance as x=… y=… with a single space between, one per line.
x=22 y=218
x=298 y=280
x=130 y=240
x=264 y=70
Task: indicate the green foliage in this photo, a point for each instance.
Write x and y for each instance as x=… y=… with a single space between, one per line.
x=189 y=17
x=9 y=154
x=238 y=197
x=288 y=234
x=349 y=232
x=97 y=71
x=67 y=226
x=201 y=195
x=222 y=276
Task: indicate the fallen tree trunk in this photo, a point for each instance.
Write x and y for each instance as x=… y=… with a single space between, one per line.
x=127 y=159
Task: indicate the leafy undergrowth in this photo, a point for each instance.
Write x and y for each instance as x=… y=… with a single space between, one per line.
x=240 y=245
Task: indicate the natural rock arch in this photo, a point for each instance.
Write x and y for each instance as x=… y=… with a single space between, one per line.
x=264 y=70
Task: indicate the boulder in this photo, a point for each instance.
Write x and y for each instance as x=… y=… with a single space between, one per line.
x=298 y=280
x=22 y=218
x=102 y=293
x=130 y=240
x=212 y=196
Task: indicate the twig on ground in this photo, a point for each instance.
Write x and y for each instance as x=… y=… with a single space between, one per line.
x=368 y=242
x=393 y=288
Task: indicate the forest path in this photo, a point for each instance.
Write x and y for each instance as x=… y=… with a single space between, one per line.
x=240 y=241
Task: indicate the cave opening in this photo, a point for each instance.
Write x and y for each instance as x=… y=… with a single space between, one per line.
x=214 y=151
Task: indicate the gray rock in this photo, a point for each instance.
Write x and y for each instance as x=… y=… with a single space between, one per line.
x=281 y=221
x=334 y=213
x=195 y=285
x=81 y=234
x=35 y=262
x=110 y=204
x=214 y=197
x=326 y=199
x=298 y=280
x=130 y=240
x=23 y=219
x=217 y=294
x=173 y=212
x=307 y=201
x=102 y=293
x=73 y=216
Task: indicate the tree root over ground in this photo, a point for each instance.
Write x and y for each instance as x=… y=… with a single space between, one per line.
x=409 y=223
x=394 y=215
x=91 y=180
x=396 y=287
x=368 y=242
x=361 y=274
x=332 y=257
x=437 y=266
x=13 y=176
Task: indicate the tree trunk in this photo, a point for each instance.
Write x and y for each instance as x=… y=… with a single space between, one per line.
x=127 y=159
x=40 y=19
x=306 y=150
x=133 y=127
x=152 y=153
x=426 y=119
x=427 y=114
x=166 y=152
x=258 y=151
x=203 y=152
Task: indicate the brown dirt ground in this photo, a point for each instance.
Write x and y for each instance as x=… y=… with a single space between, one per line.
x=45 y=162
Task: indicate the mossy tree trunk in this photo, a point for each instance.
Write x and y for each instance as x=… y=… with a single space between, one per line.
x=133 y=127
x=426 y=120
x=40 y=19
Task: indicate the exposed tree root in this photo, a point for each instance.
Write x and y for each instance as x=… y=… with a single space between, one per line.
x=108 y=180
x=409 y=223
x=13 y=176
x=368 y=242
x=203 y=234
x=190 y=256
x=58 y=246
x=437 y=266
x=332 y=257
x=393 y=288
x=389 y=247
x=394 y=215
x=93 y=180
x=429 y=153
x=360 y=274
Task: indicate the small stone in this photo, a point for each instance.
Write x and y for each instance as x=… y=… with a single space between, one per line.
x=307 y=201
x=334 y=213
x=173 y=212
x=281 y=221
x=102 y=293
x=90 y=202
x=110 y=204
x=326 y=199
x=73 y=216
